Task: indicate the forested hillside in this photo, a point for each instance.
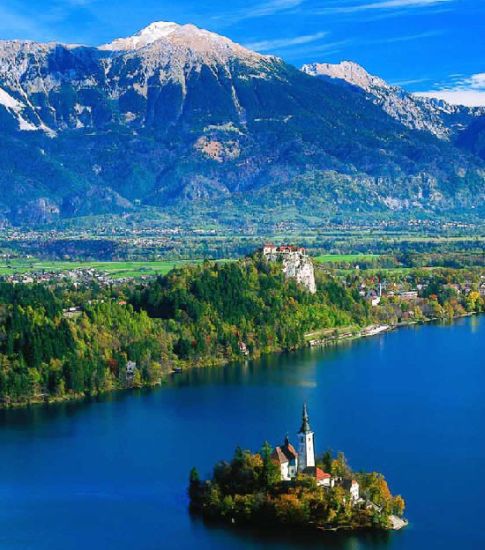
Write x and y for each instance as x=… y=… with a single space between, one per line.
x=64 y=341
x=194 y=316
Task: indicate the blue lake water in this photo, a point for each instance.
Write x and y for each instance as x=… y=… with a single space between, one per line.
x=112 y=473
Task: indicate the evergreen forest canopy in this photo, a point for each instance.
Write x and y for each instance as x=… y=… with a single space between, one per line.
x=60 y=341
x=194 y=316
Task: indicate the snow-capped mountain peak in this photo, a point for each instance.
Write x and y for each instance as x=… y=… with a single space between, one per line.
x=153 y=32
x=163 y=35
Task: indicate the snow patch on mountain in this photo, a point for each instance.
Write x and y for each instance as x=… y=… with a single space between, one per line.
x=155 y=31
x=15 y=107
x=9 y=102
x=165 y=37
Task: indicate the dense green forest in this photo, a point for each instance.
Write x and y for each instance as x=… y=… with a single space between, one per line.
x=194 y=316
x=63 y=341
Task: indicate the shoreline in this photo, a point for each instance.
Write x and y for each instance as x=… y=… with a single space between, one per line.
x=334 y=339
x=374 y=330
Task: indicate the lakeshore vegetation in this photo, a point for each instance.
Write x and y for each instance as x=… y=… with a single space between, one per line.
x=63 y=341
x=248 y=490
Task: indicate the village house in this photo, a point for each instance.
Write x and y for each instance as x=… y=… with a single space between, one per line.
x=130 y=370
x=293 y=463
x=408 y=295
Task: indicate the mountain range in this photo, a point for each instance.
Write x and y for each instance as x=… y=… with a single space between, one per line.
x=177 y=117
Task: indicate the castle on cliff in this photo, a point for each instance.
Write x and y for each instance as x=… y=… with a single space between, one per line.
x=295 y=262
x=302 y=462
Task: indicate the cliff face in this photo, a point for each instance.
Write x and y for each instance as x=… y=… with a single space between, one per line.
x=295 y=263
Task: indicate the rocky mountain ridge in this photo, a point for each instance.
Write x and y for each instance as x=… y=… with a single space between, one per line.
x=418 y=113
x=177 y=115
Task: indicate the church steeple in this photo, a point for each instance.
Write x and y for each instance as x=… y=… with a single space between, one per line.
x=305 y=424
x=306 y=448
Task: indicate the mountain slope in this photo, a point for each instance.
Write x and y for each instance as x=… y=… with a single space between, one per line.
x=473 y=138
x=177 y=115
x=418 y=113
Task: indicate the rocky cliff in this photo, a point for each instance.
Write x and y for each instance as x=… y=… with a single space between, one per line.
x=295 y=264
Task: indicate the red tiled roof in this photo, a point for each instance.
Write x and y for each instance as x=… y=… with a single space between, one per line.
x=289 y=450
x=285 y=453
x=279 y=456
x=320 y=474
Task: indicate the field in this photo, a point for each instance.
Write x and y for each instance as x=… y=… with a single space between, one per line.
x=334 y=258
x=132 y=269
x=114 y=269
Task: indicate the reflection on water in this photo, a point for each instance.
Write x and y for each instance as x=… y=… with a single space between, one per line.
x=260 y=538
x=112 y=471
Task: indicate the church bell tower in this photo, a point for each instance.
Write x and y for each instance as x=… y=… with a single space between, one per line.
x=306 y=449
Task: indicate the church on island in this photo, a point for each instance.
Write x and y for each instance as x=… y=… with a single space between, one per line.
x=293 y=463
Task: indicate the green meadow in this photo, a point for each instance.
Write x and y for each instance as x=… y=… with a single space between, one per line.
x=334 y=258
x=114 y=269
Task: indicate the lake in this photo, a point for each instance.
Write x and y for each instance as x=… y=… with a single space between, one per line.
x=112 y=473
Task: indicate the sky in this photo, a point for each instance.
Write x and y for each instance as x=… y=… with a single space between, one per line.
x=435 y=47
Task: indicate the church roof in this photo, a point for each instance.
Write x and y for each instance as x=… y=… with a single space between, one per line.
x=285 y=453
x=316 y=472
x=279 y=456
x=305 y=424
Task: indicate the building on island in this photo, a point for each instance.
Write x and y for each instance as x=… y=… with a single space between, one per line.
x=287 y=459
x=293 y=464
x=306 y=448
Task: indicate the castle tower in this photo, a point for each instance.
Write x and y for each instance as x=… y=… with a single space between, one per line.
x=306 y=449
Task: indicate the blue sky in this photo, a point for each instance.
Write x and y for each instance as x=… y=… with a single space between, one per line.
x=423 y=45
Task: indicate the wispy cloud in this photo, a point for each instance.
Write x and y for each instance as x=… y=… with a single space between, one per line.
x=58 y=20
x=313 y=51
x=10 y=19
x=381 y=5
x=261 y=9
x=272 y=7
x=281 y=43
x=409 y=82
x=468 y=91
x=406 y=37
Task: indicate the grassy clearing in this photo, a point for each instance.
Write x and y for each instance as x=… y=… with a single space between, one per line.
x=330 y=332
x=334 y=258
x=114 y=269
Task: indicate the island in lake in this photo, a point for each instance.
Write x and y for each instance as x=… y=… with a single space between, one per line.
x=284 y=487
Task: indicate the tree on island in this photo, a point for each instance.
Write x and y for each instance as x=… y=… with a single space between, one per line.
x=249 y=490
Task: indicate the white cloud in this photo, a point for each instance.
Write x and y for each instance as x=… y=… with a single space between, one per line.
x=263 y=9
x=470 y=98
x=383 y=5
x=404 y=83
x=468 y=91
x=402 y=4
x=280 y=43
x=272 y=7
